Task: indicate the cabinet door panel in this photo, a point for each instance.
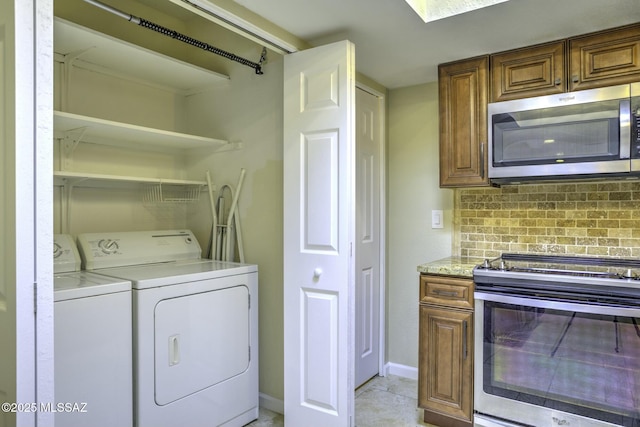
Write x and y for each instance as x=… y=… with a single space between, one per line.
x=533 y=71
x=463 y=88
x=605 y=59
x=445 y=385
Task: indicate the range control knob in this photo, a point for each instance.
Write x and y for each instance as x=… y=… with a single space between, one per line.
x=503 y=265
x=486 y=264
x=629 y=274
x=108 y=246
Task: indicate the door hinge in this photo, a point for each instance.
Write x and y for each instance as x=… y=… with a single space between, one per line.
x=249 y=353
x=35 y=297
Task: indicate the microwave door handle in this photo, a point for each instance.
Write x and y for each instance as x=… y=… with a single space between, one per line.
x=625 y=129
x=482 y=160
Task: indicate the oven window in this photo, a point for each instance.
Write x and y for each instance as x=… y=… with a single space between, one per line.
x=580 y=363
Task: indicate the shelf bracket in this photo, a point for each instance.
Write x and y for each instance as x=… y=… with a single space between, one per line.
x=67 y=62
x=70 y=140
x=230 y=146
x=67 y=186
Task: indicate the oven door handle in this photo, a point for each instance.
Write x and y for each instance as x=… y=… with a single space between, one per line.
x=558 y=305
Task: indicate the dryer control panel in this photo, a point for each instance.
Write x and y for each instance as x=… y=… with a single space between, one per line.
x=120 y=249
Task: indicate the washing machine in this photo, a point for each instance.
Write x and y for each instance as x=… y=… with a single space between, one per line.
x=195 y=327
x=93 y=378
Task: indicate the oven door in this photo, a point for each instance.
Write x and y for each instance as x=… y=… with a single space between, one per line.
x=547 y=363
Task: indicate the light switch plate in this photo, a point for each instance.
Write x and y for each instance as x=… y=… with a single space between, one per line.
x=437 y=219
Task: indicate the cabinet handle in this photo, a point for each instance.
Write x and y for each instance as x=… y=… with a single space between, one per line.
x=464 y=340
x=575 y=78
x=445 y=293
x=557 y=81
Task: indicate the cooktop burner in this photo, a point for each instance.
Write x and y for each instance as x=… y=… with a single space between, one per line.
x=577 y=266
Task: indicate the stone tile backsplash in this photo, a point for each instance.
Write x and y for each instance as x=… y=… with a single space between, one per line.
x=574 y=218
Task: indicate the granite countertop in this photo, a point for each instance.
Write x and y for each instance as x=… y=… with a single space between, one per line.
x=451 y=266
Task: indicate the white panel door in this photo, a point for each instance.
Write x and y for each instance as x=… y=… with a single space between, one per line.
x=319 y=216
x=367 y=247
x=26 y=187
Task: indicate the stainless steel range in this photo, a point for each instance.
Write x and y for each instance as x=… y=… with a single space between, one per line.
x=557 y=341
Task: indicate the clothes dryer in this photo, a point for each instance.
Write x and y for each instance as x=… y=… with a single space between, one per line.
x=195 y=327
x=92 y=344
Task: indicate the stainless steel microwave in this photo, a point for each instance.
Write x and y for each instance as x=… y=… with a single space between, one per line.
x=585 y=134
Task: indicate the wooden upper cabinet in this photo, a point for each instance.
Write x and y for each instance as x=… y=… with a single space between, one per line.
x=463 y=90
x=532 y=71
x=605 y=58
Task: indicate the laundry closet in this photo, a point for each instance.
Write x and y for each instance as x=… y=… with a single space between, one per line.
x=148 y=130
x=140 y=118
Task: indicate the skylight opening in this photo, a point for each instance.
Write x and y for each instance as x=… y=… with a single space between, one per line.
x=432 y=10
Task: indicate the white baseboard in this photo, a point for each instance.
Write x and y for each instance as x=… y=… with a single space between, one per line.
x=271 y=403
x=401 y=370
x=277 y=405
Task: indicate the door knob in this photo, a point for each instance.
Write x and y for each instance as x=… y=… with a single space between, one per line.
x=317 y=272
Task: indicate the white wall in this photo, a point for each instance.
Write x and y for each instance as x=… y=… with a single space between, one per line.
x=413 y=191
x=249 y=111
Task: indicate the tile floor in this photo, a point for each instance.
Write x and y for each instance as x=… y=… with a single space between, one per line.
x=389 y=401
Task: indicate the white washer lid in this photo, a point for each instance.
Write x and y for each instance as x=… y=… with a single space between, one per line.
x=172 y=273
x=82 y=284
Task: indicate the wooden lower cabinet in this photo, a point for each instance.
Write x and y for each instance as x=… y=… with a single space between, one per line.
x=445 y=370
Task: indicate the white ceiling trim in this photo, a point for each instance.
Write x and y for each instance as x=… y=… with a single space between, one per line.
x=234 y=23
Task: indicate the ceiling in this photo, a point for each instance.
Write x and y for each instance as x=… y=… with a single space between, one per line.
x=396 y=48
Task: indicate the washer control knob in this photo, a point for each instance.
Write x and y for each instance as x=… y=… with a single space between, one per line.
x=108 y=246
x=57 y=250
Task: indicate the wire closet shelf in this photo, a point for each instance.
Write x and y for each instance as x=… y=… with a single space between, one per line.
x=163 y=193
